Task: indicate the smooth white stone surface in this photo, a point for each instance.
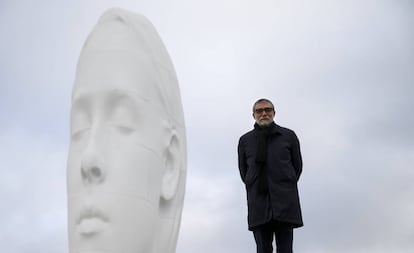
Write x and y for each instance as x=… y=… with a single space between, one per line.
x=127 y=160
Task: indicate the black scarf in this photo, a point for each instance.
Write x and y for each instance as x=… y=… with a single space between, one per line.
x=263 y=135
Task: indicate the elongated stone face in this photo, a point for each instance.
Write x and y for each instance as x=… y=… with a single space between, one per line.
x=127 y=150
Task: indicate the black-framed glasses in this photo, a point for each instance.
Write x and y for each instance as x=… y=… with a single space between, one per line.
x=261 y=110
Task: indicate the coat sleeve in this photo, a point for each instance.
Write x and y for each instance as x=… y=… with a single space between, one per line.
x=296 y=156
x=242 y=160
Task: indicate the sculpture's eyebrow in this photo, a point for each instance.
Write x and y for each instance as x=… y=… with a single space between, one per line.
x=81 y=95
x=136 y=97
x=121 y=94
x=83 y=98
x=80 y=102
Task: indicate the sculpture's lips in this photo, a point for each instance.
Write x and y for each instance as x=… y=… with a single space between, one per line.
x=91 y=221
x=91 y=212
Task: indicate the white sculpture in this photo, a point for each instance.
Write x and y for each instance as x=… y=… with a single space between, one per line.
x=127 y=159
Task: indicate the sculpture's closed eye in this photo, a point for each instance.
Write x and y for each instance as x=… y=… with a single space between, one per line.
x=80 y=125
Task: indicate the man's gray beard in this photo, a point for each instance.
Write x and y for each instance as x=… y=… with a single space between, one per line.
x=265 y=123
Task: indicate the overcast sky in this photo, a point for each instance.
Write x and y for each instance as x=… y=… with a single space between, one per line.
x=341 y=75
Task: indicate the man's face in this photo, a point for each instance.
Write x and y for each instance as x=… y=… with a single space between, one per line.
x=116 y=157
x=263 y=113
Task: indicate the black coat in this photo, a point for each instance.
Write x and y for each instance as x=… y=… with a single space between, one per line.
x=283 y=169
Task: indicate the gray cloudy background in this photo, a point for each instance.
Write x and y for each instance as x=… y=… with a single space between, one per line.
x=341 y=74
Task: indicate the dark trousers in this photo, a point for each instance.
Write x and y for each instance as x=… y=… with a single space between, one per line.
x=283 y=234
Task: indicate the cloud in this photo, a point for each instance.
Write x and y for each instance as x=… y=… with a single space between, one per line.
x=32 y=190
x=340 y=74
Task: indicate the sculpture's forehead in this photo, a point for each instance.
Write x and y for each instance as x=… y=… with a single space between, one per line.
x=118 y=56
x=107 y=70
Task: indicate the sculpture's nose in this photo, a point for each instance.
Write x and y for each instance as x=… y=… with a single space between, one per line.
x=92 y=166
